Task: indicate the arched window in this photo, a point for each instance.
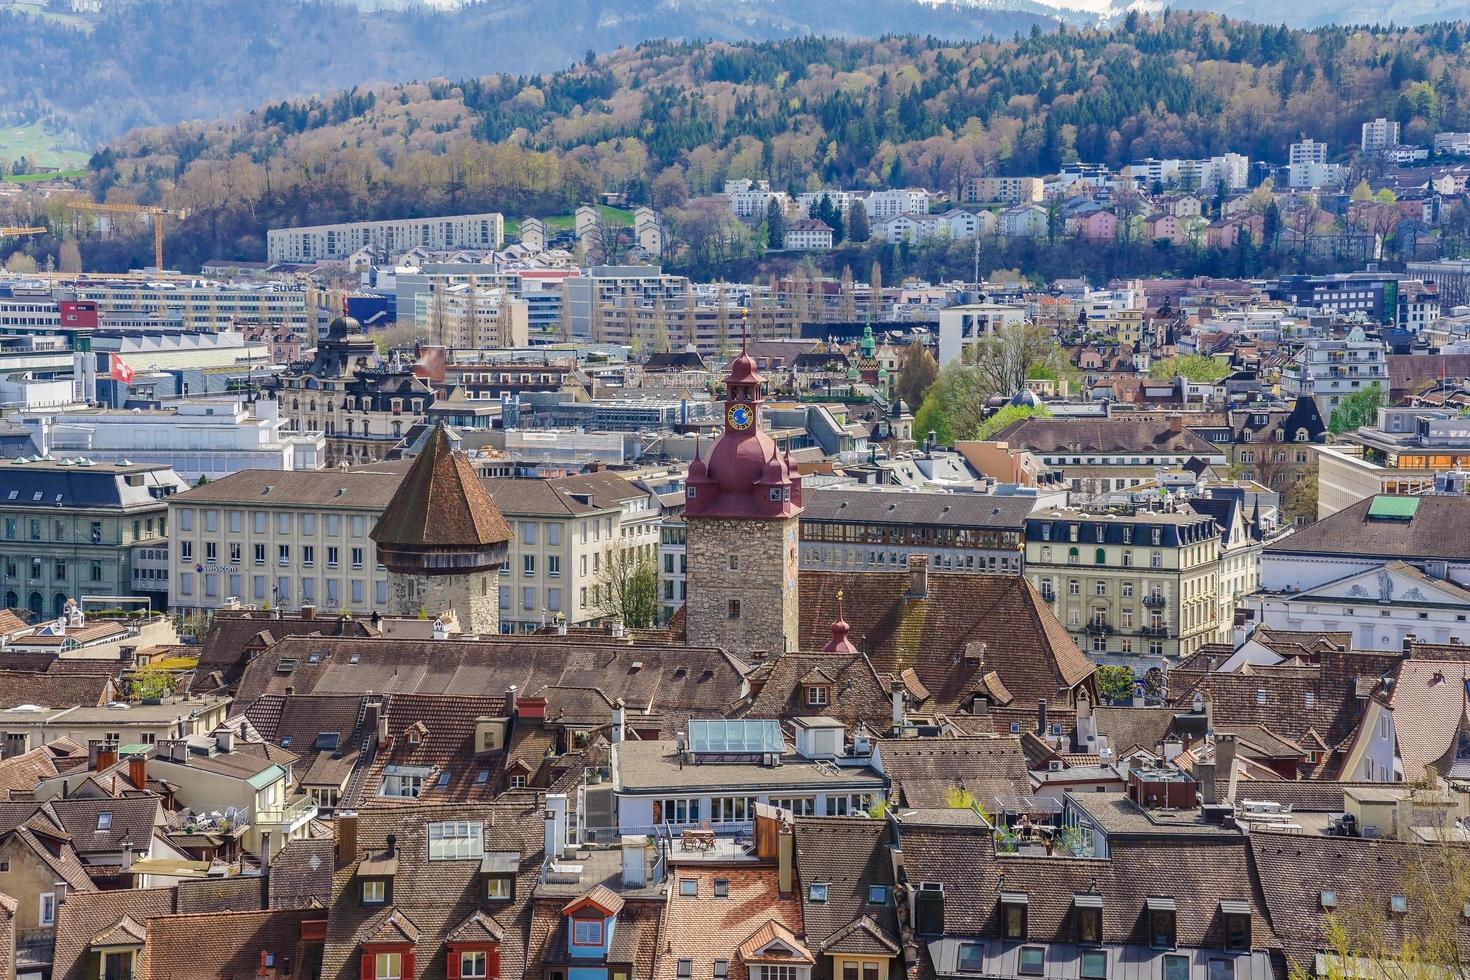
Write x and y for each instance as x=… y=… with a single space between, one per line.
x=1301 y=435
x=1072 y=556
x=11 y=600
x=58 y=604
x=1101 y=557
x=1046 y=552
x=35 y=603
x=366 y=427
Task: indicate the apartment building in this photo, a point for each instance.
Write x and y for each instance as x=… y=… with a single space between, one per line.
x=565 y=532
x=887 y=204
x=69 y=527
x=1003 y=190
x=808 y=234
x=320 y=243
x=283 y=539
x=1140 y=588
x=751 y=198
x=1306 y=151
x=1327 y=371
x=472 y=316
x=842 y=201
x=673 y=567
x=1379 y=134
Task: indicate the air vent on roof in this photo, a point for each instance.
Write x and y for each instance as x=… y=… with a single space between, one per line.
x=267 y=490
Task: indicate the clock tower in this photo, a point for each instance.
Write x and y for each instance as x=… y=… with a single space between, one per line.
x=742 y=506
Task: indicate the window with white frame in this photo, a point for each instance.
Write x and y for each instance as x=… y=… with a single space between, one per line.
x=731 y=809
x=676 y=811
x=454 y=840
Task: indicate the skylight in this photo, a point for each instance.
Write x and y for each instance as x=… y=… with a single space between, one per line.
x=736 y=737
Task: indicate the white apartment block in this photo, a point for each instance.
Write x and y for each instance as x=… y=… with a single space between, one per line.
x=1003 y=190
x=1453 y=144
x=841 y=200
x=1330 y=370
x=961 y=327
x=1306 y=151
x=750 y=198
x=1230 y=169
x=1380 y=134
x=465 y=316
x=199 y=304
x=322 y=243
x=1303 y=176
x=886 y=204
x=283 y=539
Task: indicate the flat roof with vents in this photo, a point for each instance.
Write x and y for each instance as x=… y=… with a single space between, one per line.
x=1387 y=508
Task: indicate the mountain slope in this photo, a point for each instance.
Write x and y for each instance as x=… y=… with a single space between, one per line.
x=147 y=62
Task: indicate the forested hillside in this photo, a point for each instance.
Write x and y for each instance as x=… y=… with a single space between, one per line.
x=148 y=62
x=666 y=122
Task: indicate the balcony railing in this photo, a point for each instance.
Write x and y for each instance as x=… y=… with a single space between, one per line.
x=1095 y=628
x=297 y=809
x=1155 y=601
x=1155 y=630
x=1048 y=595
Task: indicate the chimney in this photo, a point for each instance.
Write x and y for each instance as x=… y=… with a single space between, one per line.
x=1205 y=775
x=918 y=576
x=895 y=692
x=346 y=837
x=1224 y=768
x=552 y=854
x=1409 y=640
x=106 y=755
x=1041 y=717
x=785 y=853
x=138 y=771
x=392 y=846
x=510 y=701
x=561 y=626
x=224 y=739
x=94 y=749
x=619 y=721
x=1176 y=424
x=308 y=611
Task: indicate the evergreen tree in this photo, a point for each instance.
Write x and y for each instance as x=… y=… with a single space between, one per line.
x=775 y=225
x=857 y=223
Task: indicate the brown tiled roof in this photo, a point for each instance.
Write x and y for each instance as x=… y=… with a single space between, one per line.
x=924 y=770
x=1198 y=873
x=361 y=488
x=241 y=893
x=704 y=928
x=438 y=896
x=1110 y=435
x=1427 y=699
x=132 y=819
x=85 y=914
x=447 y=743
x=441 y=503
x=997 y=621
x=1295 y=869
x=773 y=930
x=1127 y=727
x=53 y=690
x=20 y=773
x=236 y=635
x=1439 y=528
x=673 y=681
x=847 y=854
x=858 y=694
x=301 y=874
x=185 y=947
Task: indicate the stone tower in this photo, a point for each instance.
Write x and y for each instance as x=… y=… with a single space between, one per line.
x=741 y=511
x=443 y=541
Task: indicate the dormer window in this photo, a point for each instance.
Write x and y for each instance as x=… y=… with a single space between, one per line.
x=1236 y=916
x=1088 y=911
x=374 y=891
x=1013 y=915
x=1162 y=917
x=817 y=695
x=586 y=931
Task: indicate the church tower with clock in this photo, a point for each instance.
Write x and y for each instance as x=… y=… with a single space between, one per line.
x=742 y=505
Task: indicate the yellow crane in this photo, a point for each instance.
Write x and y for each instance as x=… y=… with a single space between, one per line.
x=157 y=213
x=16 y=232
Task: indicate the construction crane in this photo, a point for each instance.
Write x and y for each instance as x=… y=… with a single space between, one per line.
x=82 y=204
x=16 y=232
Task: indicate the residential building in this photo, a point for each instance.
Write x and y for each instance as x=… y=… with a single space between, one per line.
x=70 y=528
x=1003 y=190
x=751 y=198
x=281 y=539
x=566 y=534
x=842 y=201
x=869 y=528
x=467 y=315
x=1306 y=151
x=335 y=242
x=808 y=234
x=209 y=439
x=1382 y=570
x=1328 y=371
x=961 y=327
x=193 y=304
x=886 y=204
x=673 y=568
x=1024 y=221
x=103 y=729
x=1452 y=144
x=1379 y=135
x=1139 y=588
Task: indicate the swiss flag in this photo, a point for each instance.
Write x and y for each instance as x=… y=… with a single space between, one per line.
x=118 y=370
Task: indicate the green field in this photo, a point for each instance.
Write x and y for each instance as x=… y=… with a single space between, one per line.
x=563 y=222
x=41 y=148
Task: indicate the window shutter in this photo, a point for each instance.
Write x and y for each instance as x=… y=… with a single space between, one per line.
x=408 y=973
x=492 y=963
x=452 y=968
x=94 y=965
x=367 y=967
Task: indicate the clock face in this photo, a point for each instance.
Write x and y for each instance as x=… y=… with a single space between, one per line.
x=740 y=416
